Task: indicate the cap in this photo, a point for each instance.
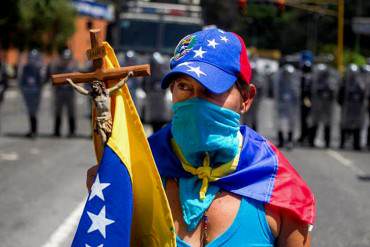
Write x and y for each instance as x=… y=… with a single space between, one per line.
x=213 y=57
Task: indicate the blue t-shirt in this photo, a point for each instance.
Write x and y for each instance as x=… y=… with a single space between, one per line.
x=249 y=229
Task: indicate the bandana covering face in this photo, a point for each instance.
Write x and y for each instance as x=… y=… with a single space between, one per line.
x=205 y=135
x=200 y=127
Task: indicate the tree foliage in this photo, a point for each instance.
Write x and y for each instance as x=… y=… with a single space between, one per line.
x=45 y=24
x=289 y=30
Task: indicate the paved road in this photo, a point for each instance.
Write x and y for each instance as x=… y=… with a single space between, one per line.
x=42 y=182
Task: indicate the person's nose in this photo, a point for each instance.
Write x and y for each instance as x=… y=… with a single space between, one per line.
x=200 y=93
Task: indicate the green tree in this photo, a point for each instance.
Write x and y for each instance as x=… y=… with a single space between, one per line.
x=45 y=24
x=289 y=30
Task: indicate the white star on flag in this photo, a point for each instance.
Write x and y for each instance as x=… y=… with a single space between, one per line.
x=99 y=222
x=196 y=70
x=212 y=43
x=199 y=53
x=97 y=189
x=221 y=31
x=185 y=64
x=223 y=38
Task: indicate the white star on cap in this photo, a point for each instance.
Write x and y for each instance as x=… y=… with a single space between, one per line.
x=97 y=189
x=212 y=43
x=199 y=53
x=99 y=222
x=196 y=70
x=223 y=38
x=185 y=64
x=101 y=245
x=221 y=31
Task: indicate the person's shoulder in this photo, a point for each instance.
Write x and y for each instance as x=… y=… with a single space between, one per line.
x=257 y=139
x=160 y=140
x=253 y=138
x=159 y=135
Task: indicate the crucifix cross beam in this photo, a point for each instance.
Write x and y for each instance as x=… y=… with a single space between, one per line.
x=96 y=54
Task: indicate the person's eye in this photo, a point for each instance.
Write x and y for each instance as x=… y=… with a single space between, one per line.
x=183 y=86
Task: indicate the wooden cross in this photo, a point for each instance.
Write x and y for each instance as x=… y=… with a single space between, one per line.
x=96 y=54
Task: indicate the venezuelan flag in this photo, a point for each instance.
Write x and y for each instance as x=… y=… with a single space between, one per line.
x=127 y=205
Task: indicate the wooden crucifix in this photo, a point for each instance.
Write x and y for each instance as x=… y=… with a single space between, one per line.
x=99 y=92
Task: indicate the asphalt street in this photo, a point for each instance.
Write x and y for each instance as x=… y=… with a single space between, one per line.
x=42 y=181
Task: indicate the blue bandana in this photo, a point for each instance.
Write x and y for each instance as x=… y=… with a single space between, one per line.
x=200 y=127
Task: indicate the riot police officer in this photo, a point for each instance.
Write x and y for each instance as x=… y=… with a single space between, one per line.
x=305 y=100
x=64 y=95
x=3 y=82
x=131 y=58
x=30 y=83
x=157 y=107
x=366 y=76
x=324 y=93
x=352 y=101
x=287 y=98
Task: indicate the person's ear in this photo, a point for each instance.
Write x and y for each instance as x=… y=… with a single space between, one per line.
x=172 y=85
x=248 y=99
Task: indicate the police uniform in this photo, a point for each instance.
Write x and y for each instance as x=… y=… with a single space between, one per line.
x=366 y=76
x=64 y=95
x=31 y=83
x=305 y=100
x=287 y=99
x=3 y=83
x=157 y=107
x=324 y=93
x=352 y=99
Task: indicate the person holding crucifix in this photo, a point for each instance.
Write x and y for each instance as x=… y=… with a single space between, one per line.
x=226 y=184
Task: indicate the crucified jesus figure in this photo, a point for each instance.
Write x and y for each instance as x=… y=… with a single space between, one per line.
x=100 y=95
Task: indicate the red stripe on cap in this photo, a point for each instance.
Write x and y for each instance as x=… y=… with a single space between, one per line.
x=245 y=68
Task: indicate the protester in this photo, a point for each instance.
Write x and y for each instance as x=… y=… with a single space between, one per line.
x=287 y=103
x=226 y=184
x=64 y=95
x=324 y=93
x=30 y=83
x=352 y=100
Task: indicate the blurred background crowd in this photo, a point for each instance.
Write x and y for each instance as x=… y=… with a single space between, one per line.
x=295 y=47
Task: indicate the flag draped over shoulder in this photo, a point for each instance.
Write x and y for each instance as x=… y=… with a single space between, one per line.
x=262 y=174
x=127 y=205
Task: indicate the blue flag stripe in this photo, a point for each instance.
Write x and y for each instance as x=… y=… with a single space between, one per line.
x=107 y=216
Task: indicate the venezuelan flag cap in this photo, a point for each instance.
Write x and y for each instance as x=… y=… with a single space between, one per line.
x=213 y=57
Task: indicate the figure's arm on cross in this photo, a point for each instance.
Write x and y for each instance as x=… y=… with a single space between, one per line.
x=122 y=82
x=78 y=88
